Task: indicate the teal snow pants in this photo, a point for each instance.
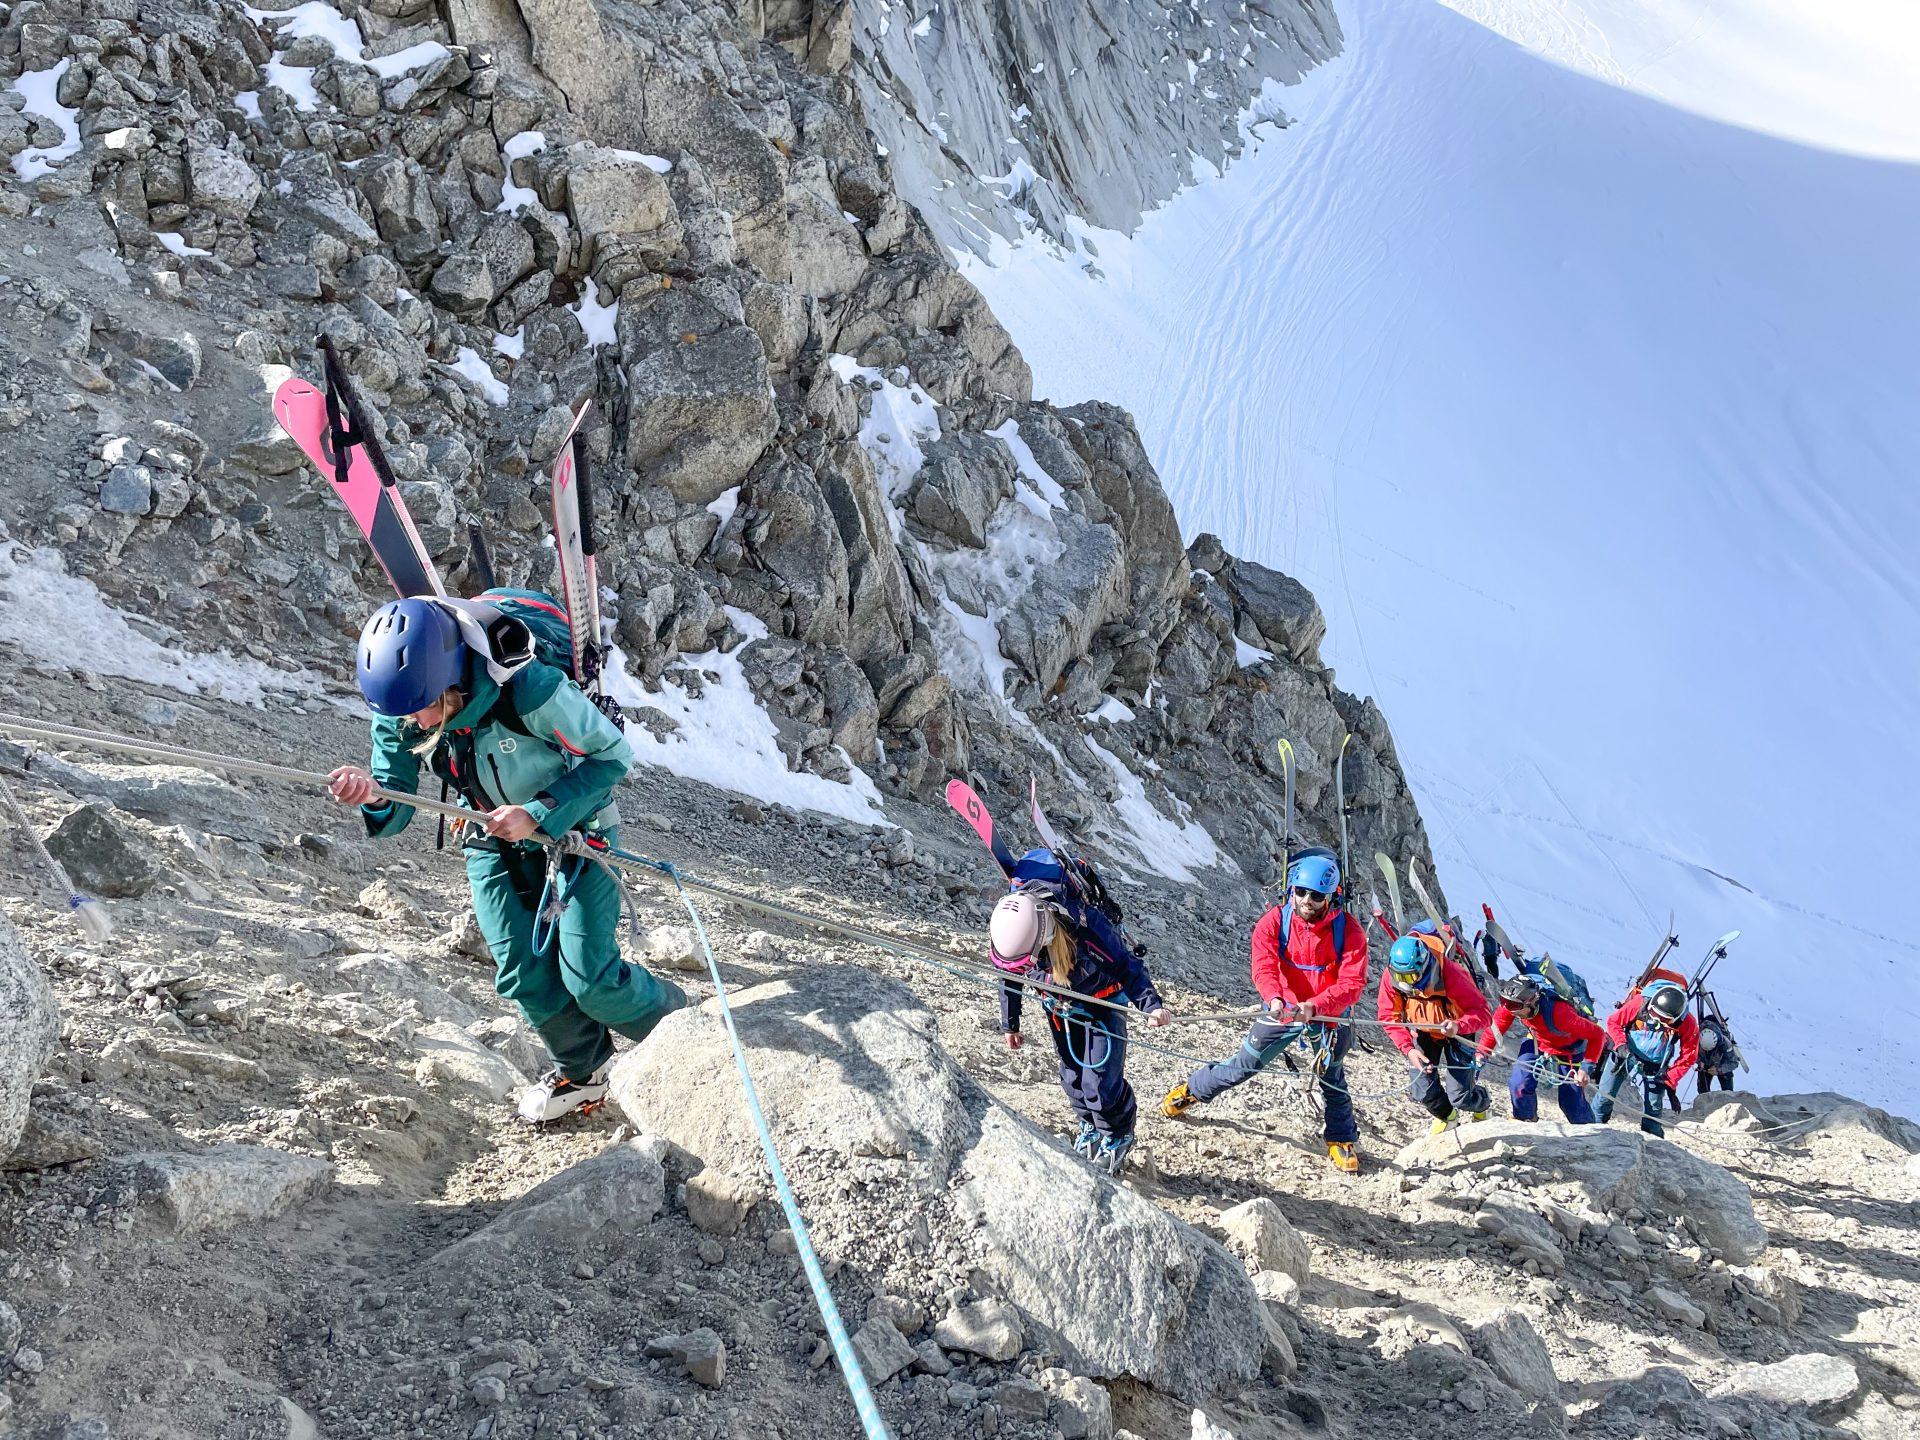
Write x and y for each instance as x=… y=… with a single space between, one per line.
x=578 y=993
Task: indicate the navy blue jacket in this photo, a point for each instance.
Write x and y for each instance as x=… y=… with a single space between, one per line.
x=1103 y=966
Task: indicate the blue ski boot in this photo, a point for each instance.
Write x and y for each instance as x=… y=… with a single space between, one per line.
x=1087 y=1141
x=1113 y=1153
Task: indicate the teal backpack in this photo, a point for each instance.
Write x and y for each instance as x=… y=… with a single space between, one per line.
x=509 y=630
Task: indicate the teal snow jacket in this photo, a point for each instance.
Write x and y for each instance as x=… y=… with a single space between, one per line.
x=561 y=761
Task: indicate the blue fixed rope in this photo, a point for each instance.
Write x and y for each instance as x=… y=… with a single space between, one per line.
x=863 y=1402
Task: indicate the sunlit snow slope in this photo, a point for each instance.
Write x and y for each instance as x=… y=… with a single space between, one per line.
x=1580 y=383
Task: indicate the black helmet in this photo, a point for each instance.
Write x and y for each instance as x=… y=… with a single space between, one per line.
x=1520 y=990
x=1666 y=1002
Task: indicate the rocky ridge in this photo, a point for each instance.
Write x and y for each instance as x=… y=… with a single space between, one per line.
x=267 y=1183
x=678 y=212
x=1002 y=117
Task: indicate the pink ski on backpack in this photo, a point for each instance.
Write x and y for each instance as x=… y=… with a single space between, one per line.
x=301 y=410
x=577 y=580
x=972 y=809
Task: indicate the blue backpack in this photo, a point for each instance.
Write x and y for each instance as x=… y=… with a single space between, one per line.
x=1581 y=998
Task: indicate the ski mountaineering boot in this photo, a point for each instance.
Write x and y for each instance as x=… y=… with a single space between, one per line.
x=1441 y=1126
x=1179 y=1100
x=1087 y=1142
x=553 y=1095
x=1344 y=1157
x=1113 y=1153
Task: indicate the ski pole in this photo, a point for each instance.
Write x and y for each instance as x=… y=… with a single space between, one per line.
x=88 y=913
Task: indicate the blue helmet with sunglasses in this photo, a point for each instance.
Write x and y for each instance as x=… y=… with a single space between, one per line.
x=1315 y=870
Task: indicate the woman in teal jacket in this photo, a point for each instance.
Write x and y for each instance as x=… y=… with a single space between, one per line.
x=533 y=755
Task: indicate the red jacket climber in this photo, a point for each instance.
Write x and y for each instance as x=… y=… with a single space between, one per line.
x=1557 y=1029
x=1461 y=1002
x=1688 y=1030
x=1310 y=971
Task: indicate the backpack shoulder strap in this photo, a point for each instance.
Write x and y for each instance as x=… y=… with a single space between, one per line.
x=1339 y=936
x=507 y=711
x=1286 y=928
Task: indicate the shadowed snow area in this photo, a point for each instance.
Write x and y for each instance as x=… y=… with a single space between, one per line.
x=1588 y=417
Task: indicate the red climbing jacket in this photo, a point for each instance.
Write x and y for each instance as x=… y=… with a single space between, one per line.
x=1557 y=1029
x=1688 y=1030
x=1310 y=970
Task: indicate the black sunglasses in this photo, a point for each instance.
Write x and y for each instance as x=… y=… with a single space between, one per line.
x=1302 y=892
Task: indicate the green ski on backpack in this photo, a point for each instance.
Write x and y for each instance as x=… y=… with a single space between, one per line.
x=1392 y=877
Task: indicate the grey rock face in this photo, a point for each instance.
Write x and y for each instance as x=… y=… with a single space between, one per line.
x=1617 y=1170
x=990 y=1329
x=463 y=284
x=701 y=402
x=29 y=1030
x=222 y=182
x=615 y=1193
x=611 y=193
x=217 y=1189
x=598 y=53
x=1281 y=610
x=962 y=482
x=1054 y=620
x=705 y=1356
x=883 y=1350
x=99 y=855
x=1820 y=1382
x=127 y=490
x=1095 y=130
x=829 y=257
x=801 y=566
x=849 y=1064
x=1268 y=1239
x=1514 y=1351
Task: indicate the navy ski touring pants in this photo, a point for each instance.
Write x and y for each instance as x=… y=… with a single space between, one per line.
x=1093 y=1066
x=1523 y=1085
x=1270 y=1036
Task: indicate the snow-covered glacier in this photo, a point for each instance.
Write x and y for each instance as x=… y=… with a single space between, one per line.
x=1567 y=351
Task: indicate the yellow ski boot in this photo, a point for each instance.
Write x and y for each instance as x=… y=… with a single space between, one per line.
x=1178 y=1101
x=1344 y=1158
x=1440 y=1127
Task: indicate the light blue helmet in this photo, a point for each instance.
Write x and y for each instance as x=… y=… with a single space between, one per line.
x=1413 y=966
x=1316 y=872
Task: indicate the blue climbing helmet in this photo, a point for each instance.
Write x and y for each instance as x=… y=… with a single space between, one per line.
x=410 y=655
x=1412 y=966
x=1314 y=870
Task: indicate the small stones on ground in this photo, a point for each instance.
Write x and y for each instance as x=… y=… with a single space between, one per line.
x=705 y=1356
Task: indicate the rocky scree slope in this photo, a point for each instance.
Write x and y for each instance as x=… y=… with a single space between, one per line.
x=807 y=416
x=266 y=1184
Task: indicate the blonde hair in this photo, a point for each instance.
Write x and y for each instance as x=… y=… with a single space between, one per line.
x=1060 y=951
x=450 y=706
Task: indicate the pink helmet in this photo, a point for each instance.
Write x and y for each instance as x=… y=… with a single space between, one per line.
x=1019 y=931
